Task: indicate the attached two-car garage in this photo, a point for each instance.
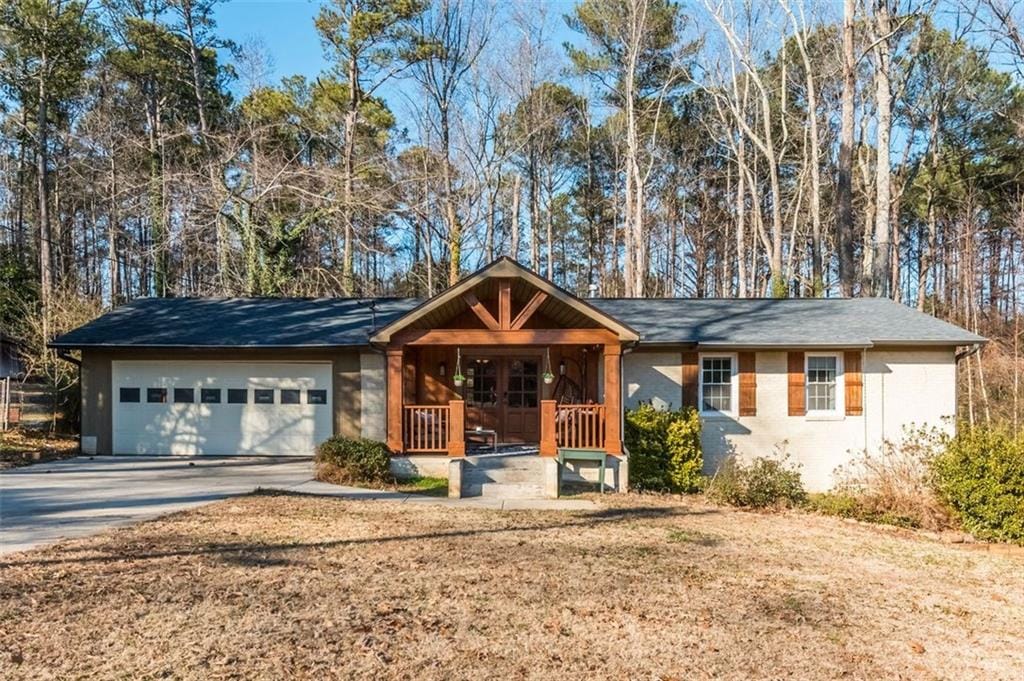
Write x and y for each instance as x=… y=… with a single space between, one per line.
x=220 y=408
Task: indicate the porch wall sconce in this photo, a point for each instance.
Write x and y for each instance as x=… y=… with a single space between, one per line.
x=442 y=369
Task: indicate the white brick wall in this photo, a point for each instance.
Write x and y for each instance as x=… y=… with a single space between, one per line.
x=654 y=377
x=901 y=387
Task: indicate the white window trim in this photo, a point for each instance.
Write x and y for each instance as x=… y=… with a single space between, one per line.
x=734 y=389
x=827 y=414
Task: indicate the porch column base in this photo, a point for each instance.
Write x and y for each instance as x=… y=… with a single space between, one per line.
x=455 y=478
x=552 y=478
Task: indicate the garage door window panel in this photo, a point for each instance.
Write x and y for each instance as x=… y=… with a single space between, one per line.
x=210 y=395
x=263 y=396
x=184 y=395
x=238 y=396
x=130 y=395
x=156 y=395
x=290 y=396
x=316 y=397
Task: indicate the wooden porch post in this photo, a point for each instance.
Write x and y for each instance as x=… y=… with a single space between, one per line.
x=613 y=399
x=394 y=397
x=548 y=414
x=456 y=428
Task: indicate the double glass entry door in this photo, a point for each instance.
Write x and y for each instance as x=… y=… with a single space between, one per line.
x=503 y=394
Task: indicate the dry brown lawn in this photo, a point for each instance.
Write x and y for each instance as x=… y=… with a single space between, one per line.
x=649 y=588
x=24 y=447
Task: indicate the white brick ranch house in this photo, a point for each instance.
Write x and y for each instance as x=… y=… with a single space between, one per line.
x=507 y=358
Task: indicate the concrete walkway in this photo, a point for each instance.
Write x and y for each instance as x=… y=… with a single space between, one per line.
x=44 y=503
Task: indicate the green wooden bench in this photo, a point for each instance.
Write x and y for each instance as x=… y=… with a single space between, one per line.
x=574 y=454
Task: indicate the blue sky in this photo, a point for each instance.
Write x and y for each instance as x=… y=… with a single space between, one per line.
x=284 y=26
x=286 y=29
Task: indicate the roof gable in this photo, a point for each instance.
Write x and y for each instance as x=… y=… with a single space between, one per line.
x=565 y=308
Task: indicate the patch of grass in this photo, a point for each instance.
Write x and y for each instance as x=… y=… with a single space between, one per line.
x=426 y=485
x=22 y=448
x=693 y=537
x=846 y=505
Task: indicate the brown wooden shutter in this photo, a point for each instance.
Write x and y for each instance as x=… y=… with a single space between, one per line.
x=748 y=383
x=690 y=376
x=853 y=379
x=797 y=395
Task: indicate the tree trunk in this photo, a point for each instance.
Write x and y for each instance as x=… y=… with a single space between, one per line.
x=45 y=241
x=517 y=189
x=882 y=259
x=112 y=226
x=347 y=190
x=451 y=214
x=204 y=133
x=844 y=180
x=741 y=217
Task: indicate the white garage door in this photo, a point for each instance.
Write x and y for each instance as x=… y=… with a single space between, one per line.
x=221 y=408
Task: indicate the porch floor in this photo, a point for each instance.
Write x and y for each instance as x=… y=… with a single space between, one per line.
x=482 y=450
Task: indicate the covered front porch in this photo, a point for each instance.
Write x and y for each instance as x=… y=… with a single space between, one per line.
x=444 y=399
x=504 y=358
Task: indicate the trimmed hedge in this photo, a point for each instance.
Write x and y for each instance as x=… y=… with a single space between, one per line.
x=980 y=474
x=342 y=460
x=664 y=449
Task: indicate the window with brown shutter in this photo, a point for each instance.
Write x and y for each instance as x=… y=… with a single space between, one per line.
x=748 y=383
x=797 y=397
x=690 y=376
x=853 y=380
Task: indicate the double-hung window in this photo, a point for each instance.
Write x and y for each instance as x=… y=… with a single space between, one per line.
x=823 y=384
x=717 y=384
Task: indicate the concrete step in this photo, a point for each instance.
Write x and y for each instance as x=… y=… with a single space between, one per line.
x=493 y=490
x=506 y=462
x=514 y=477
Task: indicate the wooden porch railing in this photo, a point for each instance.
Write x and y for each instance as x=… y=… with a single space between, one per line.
x=580 y=426
x=575 y=426
x=434 y=428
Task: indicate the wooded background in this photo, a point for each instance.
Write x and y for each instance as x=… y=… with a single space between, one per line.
x=714 y=148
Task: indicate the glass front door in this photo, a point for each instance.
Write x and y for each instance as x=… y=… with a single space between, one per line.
x=503 y=394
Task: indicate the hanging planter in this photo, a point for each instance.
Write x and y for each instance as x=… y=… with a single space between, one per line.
x=548 y=377
x=458 y=379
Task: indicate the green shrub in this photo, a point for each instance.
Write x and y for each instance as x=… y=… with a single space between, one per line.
x=763 y=483
x=980 y=474
x=664 y=449
x=343 y=460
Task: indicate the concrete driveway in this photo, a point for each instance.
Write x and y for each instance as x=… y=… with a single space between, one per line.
x=43 y=503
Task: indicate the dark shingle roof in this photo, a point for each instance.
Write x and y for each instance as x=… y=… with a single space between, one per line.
x=790 y=322
x=312 y=322
x=238 y=322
